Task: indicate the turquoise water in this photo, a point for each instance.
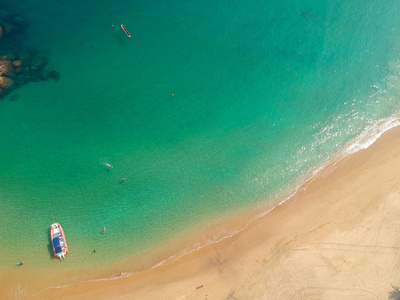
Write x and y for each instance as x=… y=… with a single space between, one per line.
x=210 y=107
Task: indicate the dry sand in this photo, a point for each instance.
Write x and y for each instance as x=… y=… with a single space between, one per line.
x=337 y=239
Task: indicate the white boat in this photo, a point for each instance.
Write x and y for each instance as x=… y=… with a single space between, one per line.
x=58 y=241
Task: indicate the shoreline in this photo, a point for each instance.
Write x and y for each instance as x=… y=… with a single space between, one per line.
x=323 y=229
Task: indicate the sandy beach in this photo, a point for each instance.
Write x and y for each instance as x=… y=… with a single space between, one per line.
x=338 y=238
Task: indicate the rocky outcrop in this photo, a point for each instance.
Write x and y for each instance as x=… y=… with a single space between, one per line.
x=6 y=68
x=6 y=75
x=17 y=69
x=18 y=66
x=17 y=63
x=6 y=83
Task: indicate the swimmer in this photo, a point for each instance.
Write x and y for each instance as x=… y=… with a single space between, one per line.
x=95 y=251
x=123 y=179
x=104 y=230
x=20 y=264
x=109 y=166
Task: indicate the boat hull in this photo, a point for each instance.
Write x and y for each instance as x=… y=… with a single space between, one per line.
x=58 y=240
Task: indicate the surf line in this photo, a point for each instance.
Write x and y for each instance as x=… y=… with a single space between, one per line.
x=126 y=31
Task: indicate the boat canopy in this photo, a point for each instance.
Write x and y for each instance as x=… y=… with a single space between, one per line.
x=57 y=246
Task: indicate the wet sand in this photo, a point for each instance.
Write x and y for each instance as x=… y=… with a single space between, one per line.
x=338 y=238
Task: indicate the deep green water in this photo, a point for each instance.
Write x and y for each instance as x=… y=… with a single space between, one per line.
x=264 y=93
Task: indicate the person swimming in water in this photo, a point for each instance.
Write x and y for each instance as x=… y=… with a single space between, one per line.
x=109 y=166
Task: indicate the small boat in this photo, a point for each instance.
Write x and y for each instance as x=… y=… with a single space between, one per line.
x=126 y=31
x=58 y=240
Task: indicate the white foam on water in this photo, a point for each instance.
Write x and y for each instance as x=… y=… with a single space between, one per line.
x=372 y=133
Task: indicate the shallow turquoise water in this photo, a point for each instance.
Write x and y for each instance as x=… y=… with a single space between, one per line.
x=264 y=93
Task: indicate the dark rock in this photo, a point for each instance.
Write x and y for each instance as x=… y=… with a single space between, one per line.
x=1 y=32
x=54 y=75
x=20 y=81
x=14 y=98
x=19 y=20
x=25 y=56
x=34 y=76
x=38 y=63
x=44 y=75
x=8 y=28
x=9 y=56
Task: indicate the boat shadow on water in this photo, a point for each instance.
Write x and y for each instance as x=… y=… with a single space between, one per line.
x=50 y=246
x=120 y=40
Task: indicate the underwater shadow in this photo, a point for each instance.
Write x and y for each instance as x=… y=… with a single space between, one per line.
x=120 y=40
x=50 y=246
x=395 y=294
